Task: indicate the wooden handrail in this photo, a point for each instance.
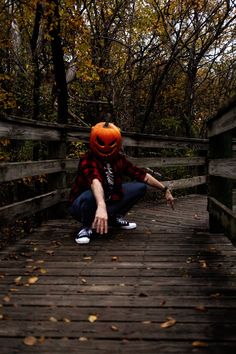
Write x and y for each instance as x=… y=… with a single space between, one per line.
x=57 y=165
x=222 y=171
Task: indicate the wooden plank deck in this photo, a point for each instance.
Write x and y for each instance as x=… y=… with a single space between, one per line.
x=167 y=271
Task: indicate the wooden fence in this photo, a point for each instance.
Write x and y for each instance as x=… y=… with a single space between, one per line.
x=57 y=165
x=222 y=172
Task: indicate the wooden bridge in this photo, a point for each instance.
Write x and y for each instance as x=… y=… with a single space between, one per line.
x=166 y=287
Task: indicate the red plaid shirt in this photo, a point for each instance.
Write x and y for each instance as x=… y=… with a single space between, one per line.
x=90 y=168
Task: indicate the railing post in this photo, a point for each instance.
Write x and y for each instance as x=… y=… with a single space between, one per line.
x=220 y=188
x=57 y=150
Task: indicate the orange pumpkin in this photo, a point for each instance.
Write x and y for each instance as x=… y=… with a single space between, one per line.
x=105 y=140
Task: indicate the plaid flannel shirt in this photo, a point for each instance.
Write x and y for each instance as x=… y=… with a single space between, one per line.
x=91 y=168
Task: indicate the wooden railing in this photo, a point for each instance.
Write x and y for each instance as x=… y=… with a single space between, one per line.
x=56 y=166
x=222 y=172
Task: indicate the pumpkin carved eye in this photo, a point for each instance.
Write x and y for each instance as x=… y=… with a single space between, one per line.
x=100 y=141
x=112 y=142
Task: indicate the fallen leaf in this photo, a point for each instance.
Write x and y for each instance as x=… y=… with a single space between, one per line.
x=43 y=271
x=67 y=320
x=92 y=318
x=1 y=317
x=52 y=319
x=41 y=339
x=114 y=328
x=32 y=280
x=114 y=258
x=83 y=339
x=83 y=281
x=18 y=280
x=203 y=263
x=170 y=321
x=197 y=343
x=87 y=258
x=13 y=290
x=6 y=298
x=201 y=308
x=196 y=217
x=147 y=322
x=30 y=340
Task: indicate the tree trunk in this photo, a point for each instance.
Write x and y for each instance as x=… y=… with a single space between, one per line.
x=59 y=65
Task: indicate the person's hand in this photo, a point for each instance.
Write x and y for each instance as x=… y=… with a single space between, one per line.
x=100 y=223
x=169 y=198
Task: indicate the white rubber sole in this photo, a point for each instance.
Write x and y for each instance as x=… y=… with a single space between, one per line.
x=82 y=240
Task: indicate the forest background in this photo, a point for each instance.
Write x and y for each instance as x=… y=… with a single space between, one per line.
x=158 y=66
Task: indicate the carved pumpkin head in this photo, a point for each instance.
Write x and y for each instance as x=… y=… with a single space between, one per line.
x=105 y=140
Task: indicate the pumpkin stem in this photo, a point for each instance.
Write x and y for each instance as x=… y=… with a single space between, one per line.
x=107 y=118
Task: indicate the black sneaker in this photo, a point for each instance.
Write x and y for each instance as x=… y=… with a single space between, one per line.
x=84 y=236
x=121 y=223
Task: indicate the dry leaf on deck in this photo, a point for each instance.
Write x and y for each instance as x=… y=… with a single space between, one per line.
x=83 y=339
x=114 y=328
x=114 y=258
x=201 y=308
x=53 y=319
x=170 y=321
x=203 y=263
x=32 y=280
x=6 y=298
x=67 y=320
x=198 y=343
x=30 y=340
x=92 y=318
x=18 y=280
x=43 y=271
x=87 y=258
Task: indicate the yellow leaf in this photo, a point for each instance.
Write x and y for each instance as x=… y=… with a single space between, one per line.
x=30 y=340
x=18 y=280
x=92 y=318
x=52 y=319
x=197 y=343
x=43 y=271
x=170 y=321
x=32 y=280
x=67 y=320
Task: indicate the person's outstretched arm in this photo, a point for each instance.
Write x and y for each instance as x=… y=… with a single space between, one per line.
x=100 y=222
x=153 y=182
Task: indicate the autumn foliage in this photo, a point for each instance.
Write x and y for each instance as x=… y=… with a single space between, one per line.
x=161 y=66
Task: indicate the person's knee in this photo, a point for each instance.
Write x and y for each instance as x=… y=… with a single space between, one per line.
x=142 y=188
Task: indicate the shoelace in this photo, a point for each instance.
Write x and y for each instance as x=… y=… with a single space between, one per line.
x=122 y=221
x=85 y=233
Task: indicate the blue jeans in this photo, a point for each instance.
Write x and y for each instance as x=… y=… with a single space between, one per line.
x=84 y=207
